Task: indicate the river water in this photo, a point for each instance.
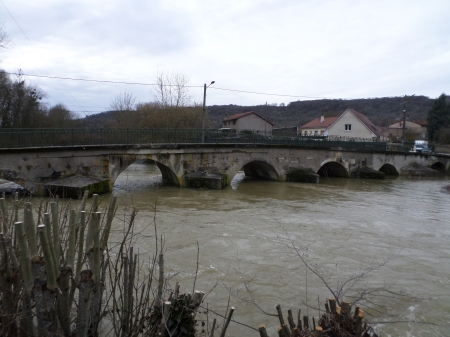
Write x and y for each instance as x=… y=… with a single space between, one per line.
x=340 y=227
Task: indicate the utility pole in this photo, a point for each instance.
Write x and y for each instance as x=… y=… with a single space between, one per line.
x=204 y=109
x=404 y=120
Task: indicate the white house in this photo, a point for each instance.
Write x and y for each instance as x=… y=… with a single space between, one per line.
x=247 y=121
x=353 y=124
x=317 y=126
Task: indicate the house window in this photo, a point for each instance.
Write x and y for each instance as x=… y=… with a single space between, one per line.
x=234 y=122
x=316 y=133
x=348 y=127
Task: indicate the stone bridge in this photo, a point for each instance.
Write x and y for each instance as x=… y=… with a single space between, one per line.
x=34 y=168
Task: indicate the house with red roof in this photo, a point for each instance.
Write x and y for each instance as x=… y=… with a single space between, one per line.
x=414 y=128
x=317 y=126
x=353 y=124
x=247 y=121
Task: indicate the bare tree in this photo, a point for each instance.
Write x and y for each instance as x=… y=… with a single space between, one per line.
x=171 y=106
x=20 y=103
x=124 y=101
x=59 y=116
x=171 y=89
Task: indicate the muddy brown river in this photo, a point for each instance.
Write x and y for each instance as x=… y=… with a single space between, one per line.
x=340 y=227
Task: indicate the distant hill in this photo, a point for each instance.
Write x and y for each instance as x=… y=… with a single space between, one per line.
x=98 y=120
x=381 y=111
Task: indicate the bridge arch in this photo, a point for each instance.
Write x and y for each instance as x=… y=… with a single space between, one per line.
x=168 y=175
x=333 y=169
x=260 y=169
x=118 y=164
x=389 y=169
x=438 y=166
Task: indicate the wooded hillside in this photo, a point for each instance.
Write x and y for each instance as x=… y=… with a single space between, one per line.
x=381 y=111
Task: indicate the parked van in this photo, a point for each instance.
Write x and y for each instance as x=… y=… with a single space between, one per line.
x=420 y=146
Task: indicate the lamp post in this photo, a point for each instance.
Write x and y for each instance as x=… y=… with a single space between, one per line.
x=204 y=109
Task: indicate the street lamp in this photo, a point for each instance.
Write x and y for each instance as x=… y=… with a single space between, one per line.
x=204 y=109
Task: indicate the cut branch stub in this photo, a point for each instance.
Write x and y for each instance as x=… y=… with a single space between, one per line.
x=262 y=331
x=109 y=219
x=318 y=332
x=70 y=259
x=80 y=254
x=337 y=314
x=280 y=315
x=227 y=322
x=161 y=276
x=306 y=322
x=332 y=302
x=30 y=231
x=55 y=230
x=49 y=267
x=358 y=324
x=291 y=319
x=346 y=309
x=48 y=231
x=83 y=312
x=25 y=265
x=96 y=245
x=4 y=215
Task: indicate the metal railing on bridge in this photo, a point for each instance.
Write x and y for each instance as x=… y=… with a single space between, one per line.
x=21 y=138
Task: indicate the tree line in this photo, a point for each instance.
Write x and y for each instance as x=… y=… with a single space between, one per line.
x=171 y=106
x=438 y=120
x=22 y=106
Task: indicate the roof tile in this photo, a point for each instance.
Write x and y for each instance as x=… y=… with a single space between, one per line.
x=315 y=123
x=237 y=116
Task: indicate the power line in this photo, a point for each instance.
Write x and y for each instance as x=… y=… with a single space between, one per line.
x=105 y=81
x=268 y=94
x=172 y=85
x=192 y=86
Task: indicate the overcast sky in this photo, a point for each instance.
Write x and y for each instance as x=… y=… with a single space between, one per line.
x=333 y=49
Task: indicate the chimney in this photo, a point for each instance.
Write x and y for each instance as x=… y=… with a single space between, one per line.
x=322 y=119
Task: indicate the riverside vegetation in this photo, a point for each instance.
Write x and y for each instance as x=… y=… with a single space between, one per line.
x=61 y=276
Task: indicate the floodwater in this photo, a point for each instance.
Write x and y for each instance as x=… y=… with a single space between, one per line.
x=253 y=236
